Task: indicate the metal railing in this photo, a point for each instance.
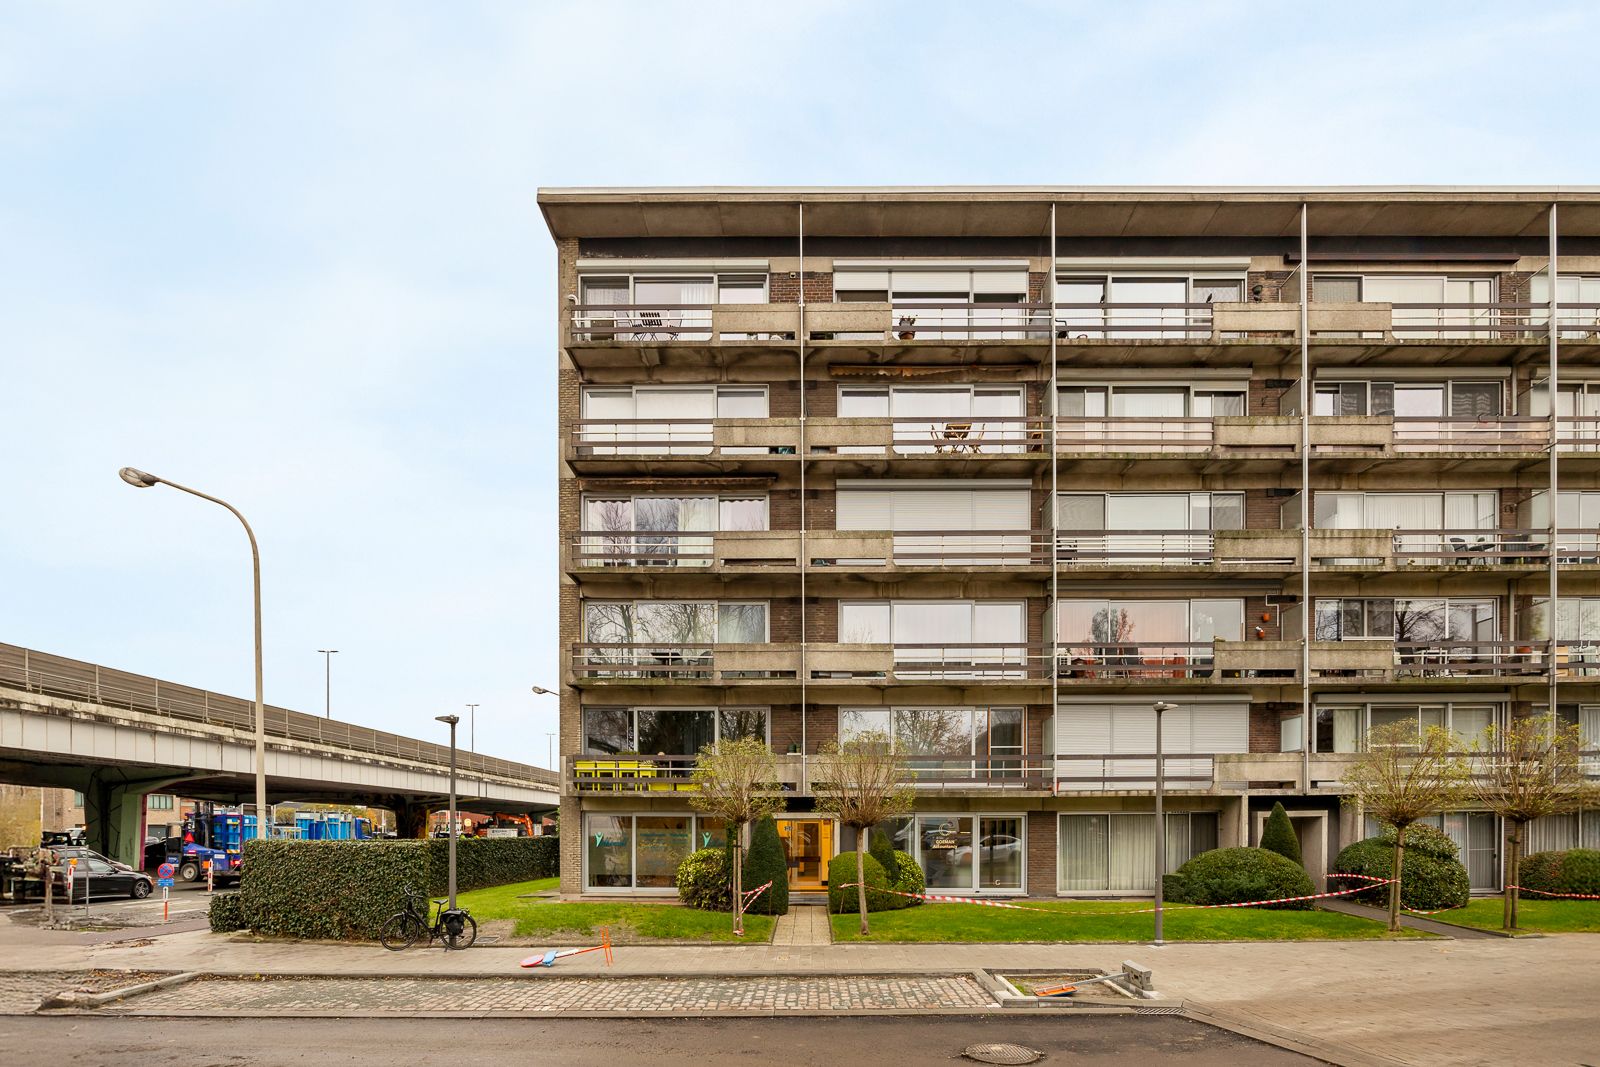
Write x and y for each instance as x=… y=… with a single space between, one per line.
x=1100 y=772
x=43 y=673
x=1469 y=547
x=938 y=548
x=949 y=435
x=1152 y=321
x=1578 y=433
x=641 y=322
x=966 y=321
x=1467 y=321
x=667 y=661
x=1488 y=433
x=1124 y=433
x=936 y=772
x=1135 y=660
x=667 y=437
x=1135 y=546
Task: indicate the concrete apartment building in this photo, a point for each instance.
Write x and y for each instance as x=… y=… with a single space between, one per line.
x=995 y=470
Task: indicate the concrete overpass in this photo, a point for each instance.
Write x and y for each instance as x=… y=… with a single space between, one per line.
x=115 y=736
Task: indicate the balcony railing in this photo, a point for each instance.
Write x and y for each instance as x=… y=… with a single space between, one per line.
x=1382 y=660
x=684 y=662
x=965 y=661
x=1136 y=660
x=1495 y=433
x=1135 y=546
x=1578 y=433
x=1108 y=772
x=690 y=550
x=1466 y=548
x=1075 y=433
x=1467 y=321
x=928 y=435
x=641 y=322
x=928 y=548
x=686 y=437
x=1134 y=321
x=964 y=321
x=934 y=772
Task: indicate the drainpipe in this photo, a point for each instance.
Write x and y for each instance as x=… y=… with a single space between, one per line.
x=1307 y=616
x=1053 y=519
x=805 y=551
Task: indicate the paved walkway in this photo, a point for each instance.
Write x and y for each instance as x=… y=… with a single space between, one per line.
x=1495 y=1000
x=803 y=926
x=1413 y=922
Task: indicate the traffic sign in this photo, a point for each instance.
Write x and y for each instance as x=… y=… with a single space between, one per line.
x=164 y=875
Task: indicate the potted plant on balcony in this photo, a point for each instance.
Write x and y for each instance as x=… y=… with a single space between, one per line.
x=905 y=322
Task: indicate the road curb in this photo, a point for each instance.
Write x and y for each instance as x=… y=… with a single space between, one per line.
x=1329 y=1051
x=90 y=1001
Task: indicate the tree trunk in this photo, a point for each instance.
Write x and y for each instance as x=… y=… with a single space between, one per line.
x=738 y=877
x=861 y=876
x=1513 y=876
x=1394 y=884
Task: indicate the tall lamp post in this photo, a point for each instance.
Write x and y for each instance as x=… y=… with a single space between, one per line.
x=327 y=681
x=142 y=480
x=550 y=738
x=1161 y=822
x=451 y=721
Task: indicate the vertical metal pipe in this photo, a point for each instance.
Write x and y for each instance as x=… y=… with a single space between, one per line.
x=452 y=858
x=1161 y=822
x=800 y=457
x=1554 y=341
x=1307 y=615
x=1052 y=402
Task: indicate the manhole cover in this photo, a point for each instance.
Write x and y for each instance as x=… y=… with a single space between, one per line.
x=1000 y=1053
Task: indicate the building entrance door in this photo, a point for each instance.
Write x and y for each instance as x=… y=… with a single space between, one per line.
x=808 y=846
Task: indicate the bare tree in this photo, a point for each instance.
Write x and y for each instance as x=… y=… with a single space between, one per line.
x=737 y=782
x=1402 y=776
x=860 y=783
x=1524 y=770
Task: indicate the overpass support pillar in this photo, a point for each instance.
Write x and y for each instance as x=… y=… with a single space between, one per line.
x=113 y=813
x=410 y=818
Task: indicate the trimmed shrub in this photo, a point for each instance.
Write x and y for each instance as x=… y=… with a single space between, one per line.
x=1237 y=875
x=1430 y=878
x=908 y=879
x=767 y=861
x=227 y=913
x=1573 y=870
x=705 y=880
x=344 y=890
x=880 y=848
x=546 y=855
x=842 y=872
x=1279 y=836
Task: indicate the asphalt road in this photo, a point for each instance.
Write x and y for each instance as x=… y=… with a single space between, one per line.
x=794 y=1042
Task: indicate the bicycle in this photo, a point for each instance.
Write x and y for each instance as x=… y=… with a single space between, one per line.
x=454 y=927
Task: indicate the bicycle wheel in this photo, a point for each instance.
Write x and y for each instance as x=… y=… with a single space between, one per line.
x=402 y=931
x=459 y=930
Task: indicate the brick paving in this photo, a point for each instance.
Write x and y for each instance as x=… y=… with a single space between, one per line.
x=559 y=996
x=22 y=991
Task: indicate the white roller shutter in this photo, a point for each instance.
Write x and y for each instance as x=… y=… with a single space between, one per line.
x=864 y=509
x=932 y=509
x=1000 y=281
x=1221 y=728
x=845 y=281
x=1081 y=730
x=910 y=282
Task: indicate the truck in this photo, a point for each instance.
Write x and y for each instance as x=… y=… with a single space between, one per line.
x=214 y=836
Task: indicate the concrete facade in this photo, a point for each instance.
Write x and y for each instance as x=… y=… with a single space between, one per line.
x=1416 y=368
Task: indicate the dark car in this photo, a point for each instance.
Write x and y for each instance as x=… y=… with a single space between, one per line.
x=103 y=877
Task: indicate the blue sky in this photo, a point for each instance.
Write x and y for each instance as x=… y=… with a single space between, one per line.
x=289 y=254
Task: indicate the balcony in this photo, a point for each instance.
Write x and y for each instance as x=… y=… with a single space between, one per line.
x=605 y=550
x=688 y=553
x=992 y=444
x=1365 y=662
x=1165 y=662
x=969 y=662
x=1275 y=551
x=705 y=664
x=1134 y=772
x=1380 y=551
x=1008 y=550
x=631 y=446
x=932 y=773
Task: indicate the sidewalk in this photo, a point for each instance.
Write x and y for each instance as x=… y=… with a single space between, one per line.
x=1450 y=1002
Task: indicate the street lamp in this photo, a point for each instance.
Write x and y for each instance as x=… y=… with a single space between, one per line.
x=472 y=727
x=1161 y=823
x=550 y=738
x=141 y=480
x=451 y=721
x=327 y=681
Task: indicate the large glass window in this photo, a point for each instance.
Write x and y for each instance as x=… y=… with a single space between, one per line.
x=963 y=852
x=1143 y=401
x=1343 y=728
x=1154 y=304
x=1109 y=853
x=941 y=418
x=1149 y=632
x=642 y=852
x=668 y=731
x=944 y=742
x=1406 y=620
x=1090 y=526
x=1413 y=399
x=663 y=419
x=940 y=636
x=659 y=530
x=669 y=622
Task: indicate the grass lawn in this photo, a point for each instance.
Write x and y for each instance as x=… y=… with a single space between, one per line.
x=1541 y=916
x=629 y=921
x=1070 y=920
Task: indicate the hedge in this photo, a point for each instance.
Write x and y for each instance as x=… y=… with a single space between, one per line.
x=705 y=881
x=1239 y=875
x=227 y=913
x=1279 y=836
x=344 y=890
x=1430 y=877
x=908 y=879
x=1573 y=870
x=765 y=862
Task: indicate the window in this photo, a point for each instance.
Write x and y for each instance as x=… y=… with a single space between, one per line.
x=1110 y=729
x=1116 y=852
x=1429 y=292
x=159 y=801
x=943 y=509
x=932 y=622
x=671 y=306
x=1092 y=298
x=655 y=530
x=1147 y=628
x=640 y=852
x=1577 y=521
x=668 y=731
x=77 y=799
x=1149 y=401
x=1572 y=291
x=1409 y=399
x=1405 y=511
x=1420 y=619
x=1577 y=630
x=917 y=289
x=651 y=622
x=1343 y=728
x=663 y=419
x=1088 y=526
x=984 y=743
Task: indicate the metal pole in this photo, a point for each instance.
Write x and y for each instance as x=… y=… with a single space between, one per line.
x=1554 y=614
x=550 y=749
x=144 y=480
x=451 y=721
x=472 y=727
x=1161 y=822
x=804 y=560
x=327 y=681
x=1053 y=402
x=1307 y=614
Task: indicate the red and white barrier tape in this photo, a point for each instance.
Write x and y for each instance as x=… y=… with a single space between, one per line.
x=748 y=897
x=940 y=898
x=1564 y=896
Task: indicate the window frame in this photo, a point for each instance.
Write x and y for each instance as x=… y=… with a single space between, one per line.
x=1108 y=814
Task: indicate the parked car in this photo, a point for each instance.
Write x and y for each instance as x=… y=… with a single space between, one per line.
x=103 y=877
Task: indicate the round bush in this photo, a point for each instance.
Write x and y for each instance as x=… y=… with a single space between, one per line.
x=842 y=872
x=1573 y=870
x=1430 y=878
x=705 y=881
x=882 y=850
x=908 y=879
x=1237 y=875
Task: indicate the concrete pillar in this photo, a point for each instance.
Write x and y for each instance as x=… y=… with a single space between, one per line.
x=113 y=814
x=410 y=817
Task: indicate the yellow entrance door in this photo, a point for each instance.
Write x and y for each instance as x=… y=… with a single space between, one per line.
x=808 y=844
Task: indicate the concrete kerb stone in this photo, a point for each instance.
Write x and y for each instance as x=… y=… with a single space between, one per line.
x=89 y=1001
